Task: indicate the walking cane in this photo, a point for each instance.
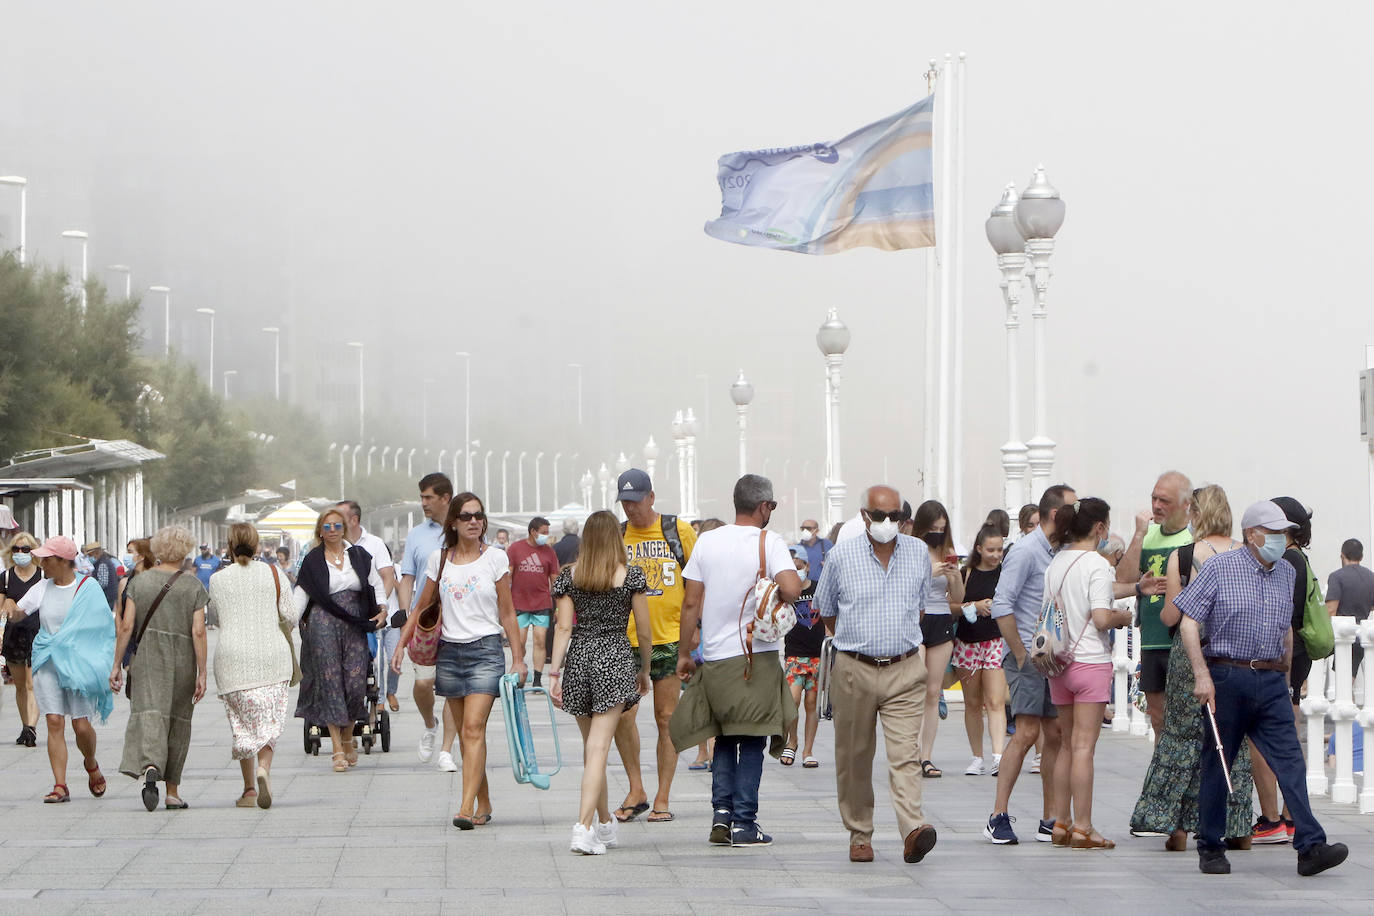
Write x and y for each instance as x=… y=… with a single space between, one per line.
x=1216 y=735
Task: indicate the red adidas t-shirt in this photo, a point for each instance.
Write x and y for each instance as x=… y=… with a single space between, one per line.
x=531 y=569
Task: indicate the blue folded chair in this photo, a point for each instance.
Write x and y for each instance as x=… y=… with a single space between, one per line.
x=520 y=737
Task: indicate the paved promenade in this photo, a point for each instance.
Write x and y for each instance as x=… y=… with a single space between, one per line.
x=378 y=840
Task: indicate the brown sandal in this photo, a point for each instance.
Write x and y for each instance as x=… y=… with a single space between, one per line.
x=95 y=779
x=1086 y=839
x=58 y=794
x=1060 y=835
x=1177 y=841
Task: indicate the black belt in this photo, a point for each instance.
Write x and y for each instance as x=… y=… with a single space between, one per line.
x=879 y=662
x=1254 y=664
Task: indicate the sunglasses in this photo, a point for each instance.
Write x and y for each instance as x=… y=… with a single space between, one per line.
x=332 y=526
x=24 y=549
x=878 y=515
x=469 y=516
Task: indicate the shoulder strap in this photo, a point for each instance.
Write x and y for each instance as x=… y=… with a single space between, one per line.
x=670 y=534
x=156 y=601
x=1185 y=563
x=763 y=558
x=277 y=582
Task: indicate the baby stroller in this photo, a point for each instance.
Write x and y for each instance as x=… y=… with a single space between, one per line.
x=375 y=725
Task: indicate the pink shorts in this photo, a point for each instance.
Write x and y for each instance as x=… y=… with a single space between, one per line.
x=1082 y=683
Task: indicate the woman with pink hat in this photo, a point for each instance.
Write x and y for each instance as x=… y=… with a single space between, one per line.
x=71 y=658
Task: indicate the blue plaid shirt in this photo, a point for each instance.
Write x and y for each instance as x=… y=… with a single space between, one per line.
x=877 y=611
x=1021 y=587
x=1246 y=609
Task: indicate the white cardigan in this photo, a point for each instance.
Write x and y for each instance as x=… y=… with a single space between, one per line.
x=252 y=651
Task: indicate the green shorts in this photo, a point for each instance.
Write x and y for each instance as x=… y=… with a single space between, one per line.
x=662 y=661
x=534 y=619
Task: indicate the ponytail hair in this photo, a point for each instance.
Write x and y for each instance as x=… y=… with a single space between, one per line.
x=1075 y=521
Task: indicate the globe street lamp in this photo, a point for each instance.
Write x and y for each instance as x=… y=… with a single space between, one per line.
x=690 y=428
x=741 y=392
x=22 y=184
x=166 y=318
x=833 y=339
x=1038 y=217
x=210 y=374
x=1010 y=246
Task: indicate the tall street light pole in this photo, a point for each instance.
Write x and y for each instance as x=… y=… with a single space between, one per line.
x=128 y=273
x=538 y=494
x=276 y=360
x=362 y=391
x=1010 y=247
x=166 y=318
x=680 y=443
x=520 y=477
x=227 y=373
x=22 y=184
x=210 y=373
x=741 y=392
x=556 y=456
x=833 y=339
x=486 y=474
x=1038 y=217
x=504 y=489
x=84 y=239
x=467 y=418
x=690 y=427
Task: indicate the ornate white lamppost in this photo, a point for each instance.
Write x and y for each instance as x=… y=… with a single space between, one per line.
x=742 y=393
x=690 y=428
x=1038 y=217
x=680 y=442
x=833 y=339
x=586 y=482
x=604 y=475
x=1007 y=242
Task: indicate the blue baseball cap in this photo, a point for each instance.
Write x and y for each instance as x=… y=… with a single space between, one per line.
x=633 y=486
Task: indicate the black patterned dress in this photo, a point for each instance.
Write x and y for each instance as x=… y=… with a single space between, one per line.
x=599 y=671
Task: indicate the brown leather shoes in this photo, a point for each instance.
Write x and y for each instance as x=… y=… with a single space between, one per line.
x=861 y=852
x=918 y=842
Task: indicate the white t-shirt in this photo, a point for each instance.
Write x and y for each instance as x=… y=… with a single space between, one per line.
x=726 y=562
x=381 y=559
x=1081 y=585
x=851 y=529
x=468 y=594
x=55 y=605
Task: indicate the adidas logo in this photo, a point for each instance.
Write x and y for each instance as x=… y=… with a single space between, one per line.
x=628 y=486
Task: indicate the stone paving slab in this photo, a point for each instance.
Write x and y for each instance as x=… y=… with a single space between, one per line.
x=379 y=838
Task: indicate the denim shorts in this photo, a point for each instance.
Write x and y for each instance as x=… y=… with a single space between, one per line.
x=467 y=668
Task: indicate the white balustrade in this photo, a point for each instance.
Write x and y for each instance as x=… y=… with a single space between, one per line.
x=1315 y=707
x=1343 y=711
x=1121 y=669
x=1366 y=716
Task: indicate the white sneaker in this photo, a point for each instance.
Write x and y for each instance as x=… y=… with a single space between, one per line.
x=996 y=765
x=975 y=767
x=446 y=764
x=607 y=834
x=584 y=841
x=1035 y=764
x=427 y=739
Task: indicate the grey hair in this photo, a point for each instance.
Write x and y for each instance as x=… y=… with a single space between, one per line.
x=1185 y=486
x=751 y=491
x=172 y=543
x=570 y=526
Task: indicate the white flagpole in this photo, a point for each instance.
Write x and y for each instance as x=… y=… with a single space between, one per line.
x=944 y=236
x=956 y=236
x=929 y=482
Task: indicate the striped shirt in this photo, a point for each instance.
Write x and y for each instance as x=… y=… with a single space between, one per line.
x=1246 y=609
x=877 y=611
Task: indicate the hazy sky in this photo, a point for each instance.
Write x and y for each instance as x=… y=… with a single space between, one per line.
x=529 y=181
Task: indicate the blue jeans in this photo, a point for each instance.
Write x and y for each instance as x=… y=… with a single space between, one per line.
x=1254 y=704
x=736 y=770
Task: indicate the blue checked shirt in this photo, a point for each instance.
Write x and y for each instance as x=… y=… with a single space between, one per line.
x=1021 y=587
x=877 y=611
x=1246 y=609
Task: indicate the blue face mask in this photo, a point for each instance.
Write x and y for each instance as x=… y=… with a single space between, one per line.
x=1102 y=545
x=542 y=539
x=127 y=561
x=22 y=559
x=1274 y=546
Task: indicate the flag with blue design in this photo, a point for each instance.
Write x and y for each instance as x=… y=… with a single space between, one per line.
x=874 y=189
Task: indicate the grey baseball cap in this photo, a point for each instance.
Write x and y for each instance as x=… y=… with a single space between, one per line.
x=634 y=485
x=1265 y=514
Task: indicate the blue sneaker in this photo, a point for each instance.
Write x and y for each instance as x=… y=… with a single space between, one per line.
x=749 y=835
x=1045 y=832
x=944 y=707
x=999 y=830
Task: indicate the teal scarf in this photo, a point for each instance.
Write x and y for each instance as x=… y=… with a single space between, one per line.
x=82 y=649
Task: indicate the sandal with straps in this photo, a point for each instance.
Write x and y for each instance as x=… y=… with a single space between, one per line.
x=95 y=780
x=1059 y=836
x=930 y=770
x=340 y=762
x=1089 y=839
x=58 y=794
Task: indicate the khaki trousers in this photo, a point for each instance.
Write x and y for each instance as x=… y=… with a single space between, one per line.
x=860 y=694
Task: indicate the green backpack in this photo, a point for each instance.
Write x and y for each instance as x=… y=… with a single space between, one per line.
x=1316 y=632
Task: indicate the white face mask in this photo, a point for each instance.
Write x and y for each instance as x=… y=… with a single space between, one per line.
x=883 y=532
x=22 y=559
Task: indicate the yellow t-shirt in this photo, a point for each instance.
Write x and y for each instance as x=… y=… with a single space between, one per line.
x=647 y=549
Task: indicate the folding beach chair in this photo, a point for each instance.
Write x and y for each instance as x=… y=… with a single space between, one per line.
x=520 y=737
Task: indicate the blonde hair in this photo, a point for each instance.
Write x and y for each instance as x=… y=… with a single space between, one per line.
x=1212 y=512
x=172 y=543
x=600 y=554
x=319 y=522
x=242 y=534
x=23 y=538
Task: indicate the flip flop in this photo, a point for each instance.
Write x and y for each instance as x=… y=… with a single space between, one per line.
x=463 y=823
x=481 y=820
x=660 y=817
x=811 y=763
x=178 y=805
x=700 y=765
x=635 y=811
x=789 y=754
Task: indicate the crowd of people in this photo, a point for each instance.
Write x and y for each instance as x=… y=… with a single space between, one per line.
x=733 y=631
